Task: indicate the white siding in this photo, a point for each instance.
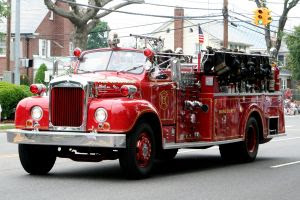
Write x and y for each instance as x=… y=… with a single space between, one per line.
x=190 y=39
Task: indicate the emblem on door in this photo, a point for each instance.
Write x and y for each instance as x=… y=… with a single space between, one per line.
x=163 y=100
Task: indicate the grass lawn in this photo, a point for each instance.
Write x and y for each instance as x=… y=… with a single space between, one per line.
x=4 y=127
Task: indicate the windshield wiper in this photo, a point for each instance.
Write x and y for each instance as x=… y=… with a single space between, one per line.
x=130 y=69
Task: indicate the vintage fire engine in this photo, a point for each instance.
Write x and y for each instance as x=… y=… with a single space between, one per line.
x=138 y=106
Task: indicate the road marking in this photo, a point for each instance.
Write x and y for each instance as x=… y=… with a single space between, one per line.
x=289 y=126
x=286 y=164
x=9 y=155
x=285 y=139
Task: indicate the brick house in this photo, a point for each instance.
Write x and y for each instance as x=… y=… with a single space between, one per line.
x=43 y=34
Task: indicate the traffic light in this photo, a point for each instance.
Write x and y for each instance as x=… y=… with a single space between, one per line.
x=267 y=18
x=258 y=16
x=262 y=16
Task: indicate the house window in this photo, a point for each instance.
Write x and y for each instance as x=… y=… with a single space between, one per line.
x=281 y=60
x=44 y=48
x=283 y=84
x=2 y=47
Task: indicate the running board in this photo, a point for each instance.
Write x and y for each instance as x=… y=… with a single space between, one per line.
x=198 y=144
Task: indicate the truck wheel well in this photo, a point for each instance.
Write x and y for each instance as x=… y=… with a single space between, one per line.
x=260 y=125
x=153 y=120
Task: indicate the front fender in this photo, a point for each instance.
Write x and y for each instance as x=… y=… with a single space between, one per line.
x=24 y=108
x=122 y=113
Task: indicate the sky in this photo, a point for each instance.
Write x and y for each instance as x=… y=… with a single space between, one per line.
x=118 y=20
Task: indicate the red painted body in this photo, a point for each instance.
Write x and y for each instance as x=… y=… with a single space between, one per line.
x=276 y=77
x=225 y=119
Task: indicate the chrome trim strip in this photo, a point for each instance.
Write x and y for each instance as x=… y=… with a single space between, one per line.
x=247 y=94
x=272 y=117
x=198 y=144
x=19 y=136
x=277 y=135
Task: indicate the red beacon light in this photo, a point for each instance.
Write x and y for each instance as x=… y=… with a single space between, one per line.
x=149 y=54
x=38 y=89
x=77 y=52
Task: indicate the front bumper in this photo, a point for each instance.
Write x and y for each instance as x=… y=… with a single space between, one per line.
x=19 y=136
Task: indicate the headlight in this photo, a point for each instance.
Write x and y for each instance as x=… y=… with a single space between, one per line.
x=36 y=113
x=100 y=115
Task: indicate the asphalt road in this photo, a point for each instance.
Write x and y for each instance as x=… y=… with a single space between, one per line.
x=194 y=174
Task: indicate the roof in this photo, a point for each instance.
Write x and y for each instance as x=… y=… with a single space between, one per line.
x=31 y=16
x=234 y=35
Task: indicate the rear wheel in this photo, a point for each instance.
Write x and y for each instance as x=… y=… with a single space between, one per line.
x=245 y=151
x=137 y=159
x=37 y=159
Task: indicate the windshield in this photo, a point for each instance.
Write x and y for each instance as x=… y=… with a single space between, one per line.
x=113 y=61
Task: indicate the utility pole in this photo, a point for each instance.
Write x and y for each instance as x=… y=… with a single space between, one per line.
x=8 y=36
x=17 y=43
x=225 y=17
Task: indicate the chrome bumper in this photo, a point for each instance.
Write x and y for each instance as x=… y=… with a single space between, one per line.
x=66 y=138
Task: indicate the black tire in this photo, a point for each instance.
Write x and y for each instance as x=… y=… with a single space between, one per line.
x=245 y=151
x=135 y=161
x=37 y=159
x=167 y=154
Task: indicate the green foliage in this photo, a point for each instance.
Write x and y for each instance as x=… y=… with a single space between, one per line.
x=293 y=44
x=10 y=95
x=4 y=9
x=40 y=74
x=24 y=80
x=4 y=12
x=97 y=36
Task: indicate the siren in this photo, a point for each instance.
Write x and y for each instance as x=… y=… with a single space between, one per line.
x=128 y=90
x=38 y=89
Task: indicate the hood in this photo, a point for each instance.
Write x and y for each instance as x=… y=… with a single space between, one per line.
x=103 y=84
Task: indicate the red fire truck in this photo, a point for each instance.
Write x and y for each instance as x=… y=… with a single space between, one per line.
x=139 y=106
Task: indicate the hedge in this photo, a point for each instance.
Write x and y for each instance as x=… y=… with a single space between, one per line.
x=10 y=95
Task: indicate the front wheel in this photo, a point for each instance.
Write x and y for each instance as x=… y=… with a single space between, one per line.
x=245 y=151
x=37 y=159
x=138 y=157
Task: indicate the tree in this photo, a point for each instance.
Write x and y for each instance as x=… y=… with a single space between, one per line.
x=293 y=44
x=96 y=38
x=40 y=74
x=4 y=9
x=287 y=6
x=85 y=19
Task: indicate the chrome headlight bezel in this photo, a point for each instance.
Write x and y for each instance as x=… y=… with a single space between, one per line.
x=36 y=113
x=100 y=115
